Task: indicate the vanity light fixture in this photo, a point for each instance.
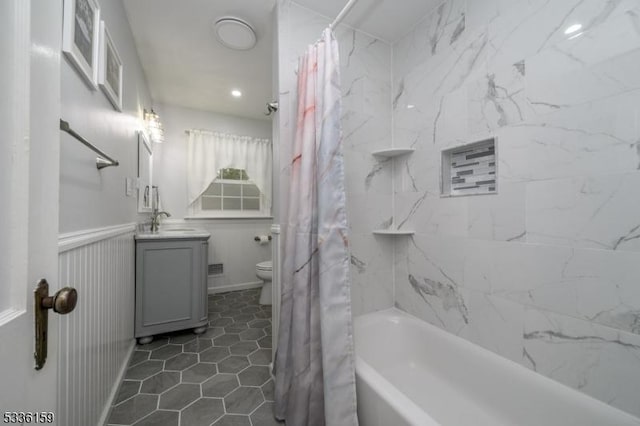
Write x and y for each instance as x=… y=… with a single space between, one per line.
x=154 y=126
x=236 y=93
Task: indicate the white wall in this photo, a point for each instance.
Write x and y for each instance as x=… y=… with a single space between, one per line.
x=90 y=198
x=365 y=64
x=545 y=272
x=232 y=240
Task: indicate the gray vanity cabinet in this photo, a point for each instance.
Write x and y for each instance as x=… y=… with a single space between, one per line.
x=171 y=285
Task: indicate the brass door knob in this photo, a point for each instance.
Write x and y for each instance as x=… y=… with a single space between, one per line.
x=63 y=302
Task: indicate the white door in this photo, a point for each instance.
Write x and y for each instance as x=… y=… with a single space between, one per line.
x=30 y=32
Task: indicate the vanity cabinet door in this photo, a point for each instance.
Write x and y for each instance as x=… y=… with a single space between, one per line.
x=169 y=281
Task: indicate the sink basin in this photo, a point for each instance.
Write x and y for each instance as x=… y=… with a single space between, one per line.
x=178 y=230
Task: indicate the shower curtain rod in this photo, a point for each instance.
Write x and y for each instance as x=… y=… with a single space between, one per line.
x=343 y=13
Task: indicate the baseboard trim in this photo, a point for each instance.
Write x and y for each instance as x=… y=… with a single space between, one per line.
x=234 y=287
x=104 y=418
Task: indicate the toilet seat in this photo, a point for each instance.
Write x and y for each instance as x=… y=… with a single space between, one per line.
x=265 y=266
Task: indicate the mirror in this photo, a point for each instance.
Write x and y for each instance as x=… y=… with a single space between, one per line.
x=145 y=169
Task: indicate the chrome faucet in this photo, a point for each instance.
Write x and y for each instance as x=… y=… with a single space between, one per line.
x=155 y=219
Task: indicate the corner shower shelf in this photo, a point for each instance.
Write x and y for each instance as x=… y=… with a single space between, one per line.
x=393 y=232
x=392 y=152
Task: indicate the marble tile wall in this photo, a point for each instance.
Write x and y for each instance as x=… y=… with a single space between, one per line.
x=366 y=120
x=547 y=271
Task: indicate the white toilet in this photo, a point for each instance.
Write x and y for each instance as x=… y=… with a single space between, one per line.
x=264 y=271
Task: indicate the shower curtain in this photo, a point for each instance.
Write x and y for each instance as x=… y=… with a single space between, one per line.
x=315 y=368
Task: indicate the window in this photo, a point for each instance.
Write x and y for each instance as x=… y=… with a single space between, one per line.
x=232 y=193
x=228 y=175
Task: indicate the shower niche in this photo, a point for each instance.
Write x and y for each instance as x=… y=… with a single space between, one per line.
x=469 y=169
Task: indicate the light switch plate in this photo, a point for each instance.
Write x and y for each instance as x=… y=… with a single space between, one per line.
x=128 y=187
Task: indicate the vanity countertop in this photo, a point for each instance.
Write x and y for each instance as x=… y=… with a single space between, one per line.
x=174 y=234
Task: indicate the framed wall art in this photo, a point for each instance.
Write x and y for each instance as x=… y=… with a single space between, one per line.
x=110 y=71
x=80 y=35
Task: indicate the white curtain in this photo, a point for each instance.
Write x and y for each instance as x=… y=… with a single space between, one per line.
x=208 y=152
x=315 y=367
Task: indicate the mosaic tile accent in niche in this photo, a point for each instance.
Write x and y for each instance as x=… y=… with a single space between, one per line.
x=469 y=170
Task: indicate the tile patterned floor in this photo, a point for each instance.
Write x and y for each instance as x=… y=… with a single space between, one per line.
x=219 y=378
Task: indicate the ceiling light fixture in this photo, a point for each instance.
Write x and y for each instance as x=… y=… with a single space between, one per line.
x=573 y=28
x=236 y=93
x=235 y=33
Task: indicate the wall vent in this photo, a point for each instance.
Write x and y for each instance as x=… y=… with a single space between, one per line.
x=470 y=169
x=216 y=269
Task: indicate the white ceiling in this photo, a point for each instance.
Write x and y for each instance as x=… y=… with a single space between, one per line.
x=184 y=63
x=186 y=66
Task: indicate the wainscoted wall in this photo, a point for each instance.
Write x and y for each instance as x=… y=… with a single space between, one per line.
x=546 y=271
x=96 y=339
x=366 y=126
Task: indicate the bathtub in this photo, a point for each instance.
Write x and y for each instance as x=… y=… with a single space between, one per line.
x=409 y=372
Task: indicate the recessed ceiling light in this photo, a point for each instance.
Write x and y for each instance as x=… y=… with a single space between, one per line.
x=235 y=33
x=236 y=93
x=573 y=28
x=411 y=106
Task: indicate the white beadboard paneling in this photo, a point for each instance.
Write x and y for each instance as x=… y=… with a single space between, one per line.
x=96 y=338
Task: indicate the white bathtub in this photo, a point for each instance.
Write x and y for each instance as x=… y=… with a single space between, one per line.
x=409 y=372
